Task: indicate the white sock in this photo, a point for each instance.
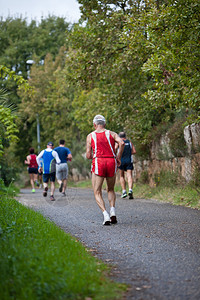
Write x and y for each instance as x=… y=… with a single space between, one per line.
x=112 y=211
x=130 y=190
x=105 y=213
x=123 y=191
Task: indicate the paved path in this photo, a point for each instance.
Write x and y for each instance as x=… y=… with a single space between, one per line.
x=154 y=247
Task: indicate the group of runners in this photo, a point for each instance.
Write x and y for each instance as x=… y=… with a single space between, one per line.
x=52 y=164
x=108 y=151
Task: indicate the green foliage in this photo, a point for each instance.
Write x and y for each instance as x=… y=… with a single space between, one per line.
x=8 y=172
x=20 y=40
x=8 y=128
x=144 y=178
x=50 y=101
x=40 y=261
x=173 y=37
x=183 y=195
x=79 y=161
x=9 y=191
x=166 y=178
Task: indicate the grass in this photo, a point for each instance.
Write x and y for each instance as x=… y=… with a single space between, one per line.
x=40 y=261
x=165 y=191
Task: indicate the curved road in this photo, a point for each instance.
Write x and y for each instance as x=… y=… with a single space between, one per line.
x=154 y=247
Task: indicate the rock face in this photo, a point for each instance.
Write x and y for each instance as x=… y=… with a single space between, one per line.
x=162 y=158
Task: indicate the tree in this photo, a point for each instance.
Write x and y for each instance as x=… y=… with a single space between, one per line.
x=174 y=63
x=100 y=63
x=8 y=127
x=50 y=100
x=21 y=42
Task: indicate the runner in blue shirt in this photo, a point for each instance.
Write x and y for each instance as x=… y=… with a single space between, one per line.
x=62 y=169
x=49 y=170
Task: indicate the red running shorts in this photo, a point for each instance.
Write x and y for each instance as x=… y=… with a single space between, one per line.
x=104 y=167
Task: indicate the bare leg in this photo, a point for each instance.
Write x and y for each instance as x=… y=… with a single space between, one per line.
x=40 y=179
x=64 y=185
x=111 y=198
x=32 y=181
x=97 y=182
x=110 y=190
x=52 y=188
x=59 y=181
x=122 y=179
x=45 y=184
x=130 y=179
x=36 y=178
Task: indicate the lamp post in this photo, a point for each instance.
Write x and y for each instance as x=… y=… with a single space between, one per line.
x=38 y=132
x=31 y=62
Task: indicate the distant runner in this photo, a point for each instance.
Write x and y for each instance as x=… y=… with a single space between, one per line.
x=62 y=168
x=32 y=168
x=126 y=166
x=100 y=147
x=50 y=157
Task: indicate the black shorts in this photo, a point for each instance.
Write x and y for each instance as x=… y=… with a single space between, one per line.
x=33 y=170
x=126 y=166
x=51 y=176
x=40 y=172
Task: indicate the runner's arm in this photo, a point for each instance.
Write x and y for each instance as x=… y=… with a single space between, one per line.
x=69 y=157
x=116 y=147
x=39 y=156
x=56 y=156
x=121 y=145
x=133 y=149
x=27 y=161
x=88 y=147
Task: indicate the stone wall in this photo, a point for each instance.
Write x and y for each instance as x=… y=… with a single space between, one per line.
x=184 y=166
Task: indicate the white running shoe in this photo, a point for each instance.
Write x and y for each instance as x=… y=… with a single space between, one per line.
x=106 y=219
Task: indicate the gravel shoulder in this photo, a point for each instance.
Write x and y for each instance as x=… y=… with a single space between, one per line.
x=154 y=247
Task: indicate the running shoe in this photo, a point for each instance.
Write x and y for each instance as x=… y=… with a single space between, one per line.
x=130 y=194
x=113 y=220
x=124 y=195
x=106 y=220
x=45 y=191
x=60 y=188
x=63 y=194
x=33 y=190
x=52 y=198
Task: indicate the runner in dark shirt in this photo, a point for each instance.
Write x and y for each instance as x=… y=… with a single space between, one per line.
x=127 y=166
x=62 y=169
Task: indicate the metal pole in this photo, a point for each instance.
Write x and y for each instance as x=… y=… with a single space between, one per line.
x=38 y=132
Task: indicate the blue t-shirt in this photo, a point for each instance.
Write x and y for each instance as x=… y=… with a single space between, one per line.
x=62 y=153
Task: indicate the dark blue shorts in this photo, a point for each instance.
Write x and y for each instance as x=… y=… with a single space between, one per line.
x=126 y=167
x=32 y=170
x=51 y=176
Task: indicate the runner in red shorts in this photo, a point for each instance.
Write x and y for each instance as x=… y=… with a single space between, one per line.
x=101 y=149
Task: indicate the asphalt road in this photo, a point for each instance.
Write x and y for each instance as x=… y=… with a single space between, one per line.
x=154 y=247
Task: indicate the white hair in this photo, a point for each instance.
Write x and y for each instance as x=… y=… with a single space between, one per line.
x=99 y=120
